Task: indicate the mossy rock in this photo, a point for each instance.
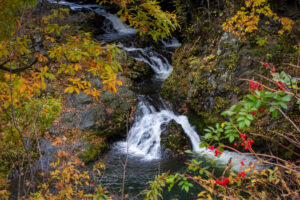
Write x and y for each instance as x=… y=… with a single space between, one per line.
x=132 y=69
x=173 y=140
x=204 y=85
x=93 y=152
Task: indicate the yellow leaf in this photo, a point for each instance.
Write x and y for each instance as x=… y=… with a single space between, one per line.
x=22 y=88
x=77 y=90
x=6 y=104
x=119 y=83
x=77 y=66
x=280 y=32
x=67 y=90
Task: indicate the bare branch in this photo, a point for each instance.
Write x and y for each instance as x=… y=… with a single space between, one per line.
x=2 y=67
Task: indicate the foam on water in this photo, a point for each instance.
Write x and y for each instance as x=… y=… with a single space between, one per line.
x=158 y=63
x=118 y=25
x=171 y=43
x=144 y=136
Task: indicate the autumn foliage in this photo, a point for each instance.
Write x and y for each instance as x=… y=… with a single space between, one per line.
x=41 y=58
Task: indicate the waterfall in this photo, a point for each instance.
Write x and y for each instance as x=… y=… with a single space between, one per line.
x=144 y=136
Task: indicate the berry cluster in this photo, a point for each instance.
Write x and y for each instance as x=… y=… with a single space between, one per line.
x=242 y=174
x=247 y=144
x=223 y=181
x=217 y=151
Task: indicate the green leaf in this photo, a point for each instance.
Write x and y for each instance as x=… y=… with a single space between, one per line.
x=283 y=105
x=272 y=109
x=189 y=151
x=250 y=117
x=247 y=122
x=251 y=97
x=257 y=93
x=241 y=125
x=275 y=113
x=207 y=135
x=231 y=139
x=286 y=98
x=240 y=119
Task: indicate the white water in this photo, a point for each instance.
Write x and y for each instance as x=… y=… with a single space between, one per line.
x=144 y=137
x=171 y=43
x=119 y=26
x=158 y=63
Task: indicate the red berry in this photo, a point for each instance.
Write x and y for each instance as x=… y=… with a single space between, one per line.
x=217 y=152
x=242 y=144
x=281 y=85
x=253 y=112
x=211 y=147
x=235 y=144
x=273 y=70
x=226 y=181
x=223 y=181
x=261 y=88
x=242 y=163
x=266 y=64
x=246 y=148
x=253 y=85
x=242 y=174
x=244 y=139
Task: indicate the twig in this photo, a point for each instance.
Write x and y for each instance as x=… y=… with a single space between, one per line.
x=298 y=60
x=296 y=143
x=296 y=127
x=255 y=134
x=126 y=159
x=18 y=69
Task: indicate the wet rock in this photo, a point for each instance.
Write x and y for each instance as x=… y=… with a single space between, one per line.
x=173 y=140
x=135 y=70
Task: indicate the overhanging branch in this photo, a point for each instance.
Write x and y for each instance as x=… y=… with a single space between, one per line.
x=18 y=69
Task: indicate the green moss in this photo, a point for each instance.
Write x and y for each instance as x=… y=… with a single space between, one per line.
x=174 y=140
x=93 y=152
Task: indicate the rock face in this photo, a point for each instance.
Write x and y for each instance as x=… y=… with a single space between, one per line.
x=86 y=113
x=102 y=120
x=173 y=140
x=205 y=80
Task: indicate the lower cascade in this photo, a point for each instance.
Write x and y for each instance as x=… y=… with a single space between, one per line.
x=144 y=136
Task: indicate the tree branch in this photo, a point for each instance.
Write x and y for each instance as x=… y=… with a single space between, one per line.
x=18 y=69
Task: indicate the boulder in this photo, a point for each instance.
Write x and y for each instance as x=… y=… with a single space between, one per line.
x=135 y=70
x=173 y=140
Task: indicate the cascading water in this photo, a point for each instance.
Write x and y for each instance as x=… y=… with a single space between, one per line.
x=144 y=136
x=151 y=116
